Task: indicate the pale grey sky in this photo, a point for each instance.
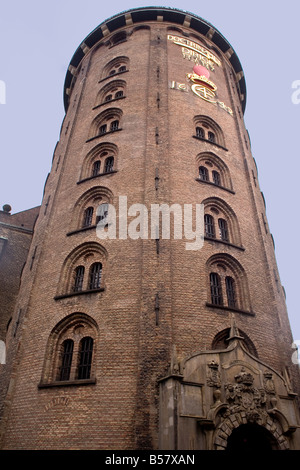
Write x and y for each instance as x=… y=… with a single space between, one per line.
x=38 y=40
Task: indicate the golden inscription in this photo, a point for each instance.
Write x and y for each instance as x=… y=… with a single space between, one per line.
x=194 y=47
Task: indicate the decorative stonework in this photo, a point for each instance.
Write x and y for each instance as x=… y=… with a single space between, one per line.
x=247 y=404
x=56 y=401
x=213 y=375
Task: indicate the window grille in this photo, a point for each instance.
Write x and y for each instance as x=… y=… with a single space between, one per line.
x=223 y=227
x=114 y=126
x=230 y=291
x=96 y=168
x=95 y=276
x=119 y=94
x=209 y=226
x=78 y=281
x=211 y=137
x=216 y=289
x=200 y=132
x=109 y=164
x=103 y=129
x=203 y=173
x=88 y=217
x=66 y=360
x=85 y=358
x=216 y=178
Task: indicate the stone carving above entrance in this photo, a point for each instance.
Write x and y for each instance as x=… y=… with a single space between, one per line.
x=219 y=391
x=242 y=396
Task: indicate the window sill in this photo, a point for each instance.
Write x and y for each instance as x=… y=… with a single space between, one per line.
x=83 y=229
x=112 y=76
x=215 y=185
x=67 y=383
x=108 y=102
x=97 y=176
x=83 y=292
x=216 y=240
x=209 y=142
x=230 y=309
x=102 y=135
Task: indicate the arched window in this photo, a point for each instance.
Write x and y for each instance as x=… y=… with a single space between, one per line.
x=88 y=217
x=113 y=90
x=84 y=213
x=107 y=121
x=227 y=230
x=220 y=341
x=115 y=66
x=109 y=164
x=209 y=226
x=203 y=173
x=207 y=129
x=85 y=358
x=119 y=37
x=95 y=276
x=83 y=271
x=78 y=279
x=94 y=163
x=226 y=275
x=216 y=289
x=217 y=171
x=66 y=359
x=71 y=351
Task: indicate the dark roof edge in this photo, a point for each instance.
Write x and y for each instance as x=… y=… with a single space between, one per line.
x=117 y=21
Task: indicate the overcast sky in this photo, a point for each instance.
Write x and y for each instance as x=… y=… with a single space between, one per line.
x=38 y=40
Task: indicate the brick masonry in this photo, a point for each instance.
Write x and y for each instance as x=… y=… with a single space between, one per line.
x=155 y=294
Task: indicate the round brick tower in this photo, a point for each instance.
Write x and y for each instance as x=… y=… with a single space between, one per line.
x=126 y=336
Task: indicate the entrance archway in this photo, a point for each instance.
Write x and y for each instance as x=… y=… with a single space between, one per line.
x=251 y=437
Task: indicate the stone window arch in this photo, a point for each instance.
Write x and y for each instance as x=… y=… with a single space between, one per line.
x=71 y=351
x=217 y=171
x=220 y=268
x=95 y=162
x=114 y=67
x=84 y=213
x=112 y=91
x=220 y=341
x=119 y=37
x=226 y=227
x=79 y=274
x=106 y=122
x=208 y=130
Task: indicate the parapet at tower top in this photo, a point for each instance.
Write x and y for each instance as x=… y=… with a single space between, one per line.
x=149 y=14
